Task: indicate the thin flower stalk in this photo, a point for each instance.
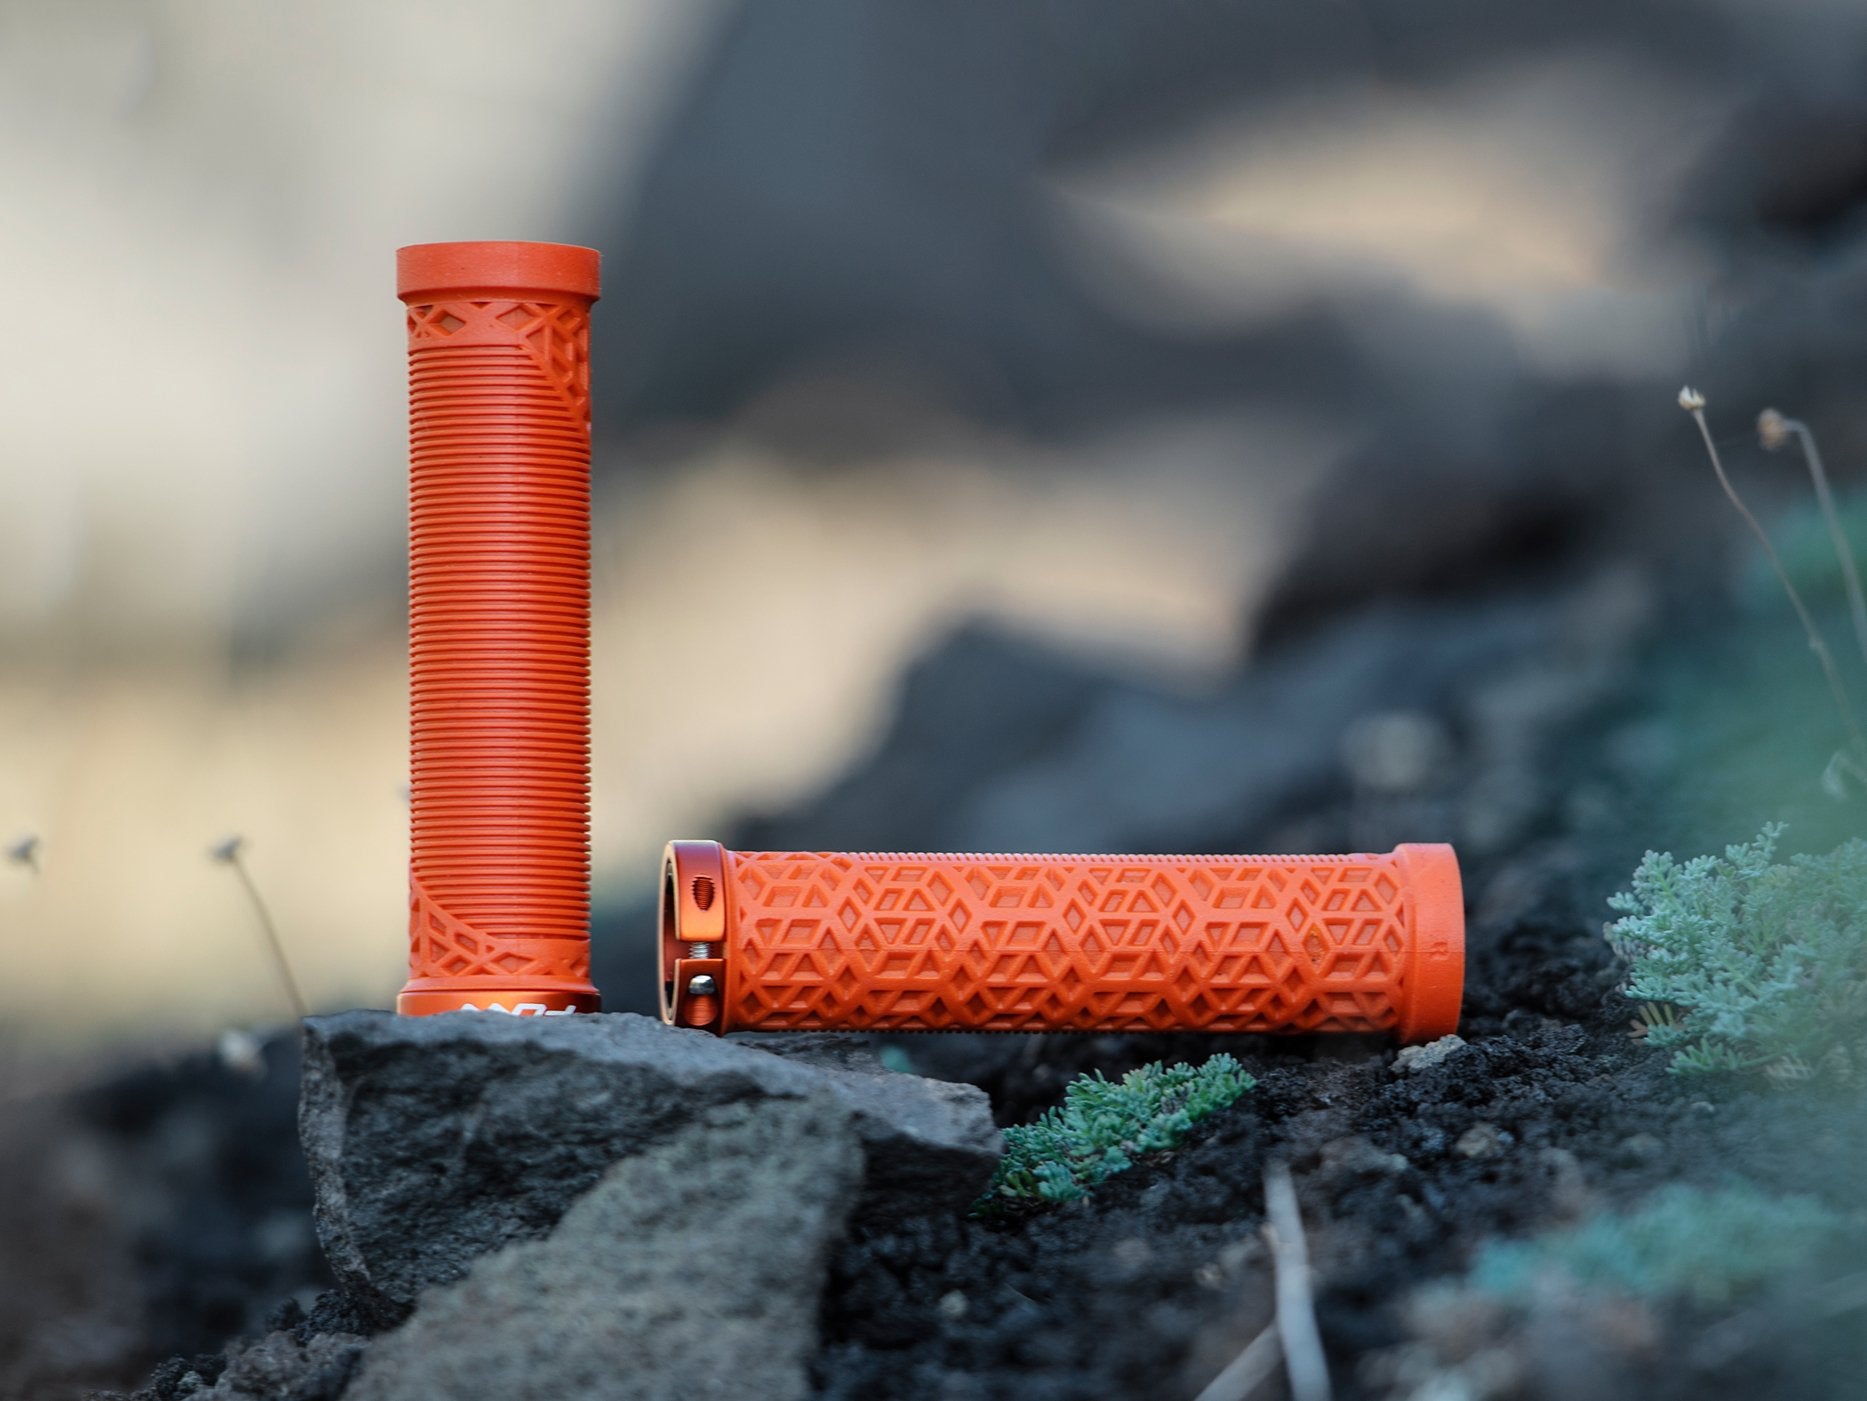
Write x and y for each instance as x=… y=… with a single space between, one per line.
x=1694 y=403
x=1775 y=430
x=229 y=853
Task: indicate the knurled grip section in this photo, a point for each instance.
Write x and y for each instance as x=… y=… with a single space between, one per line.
x=499 y=626
x=843 y=941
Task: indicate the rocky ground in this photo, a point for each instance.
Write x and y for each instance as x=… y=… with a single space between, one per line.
x=1512 y=628
x=614 y=1208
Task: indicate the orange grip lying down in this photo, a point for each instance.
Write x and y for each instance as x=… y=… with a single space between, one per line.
x=792 y=941
x=499 y=626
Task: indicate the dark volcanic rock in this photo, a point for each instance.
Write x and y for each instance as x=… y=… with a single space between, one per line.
x=692 y=1269
x=198 y=1158
x=284 y=1367
x=434 y=1140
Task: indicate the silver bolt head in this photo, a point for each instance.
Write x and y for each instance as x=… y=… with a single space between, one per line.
x=703 y=986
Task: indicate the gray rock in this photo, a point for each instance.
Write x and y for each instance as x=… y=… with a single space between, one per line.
x=1481 y=1141
x=433 y=1140
x=1413 y=1059
x=690 y=1270
x=840 y=1050
x=279 y=1366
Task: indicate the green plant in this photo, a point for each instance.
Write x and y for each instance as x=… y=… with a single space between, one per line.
x=1103 y=1125
x=1707 y=1246
x=1750 y=965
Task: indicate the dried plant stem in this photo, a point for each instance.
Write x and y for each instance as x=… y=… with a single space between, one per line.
x=1843 y=552
x=271 y=934
x=1248 y=1371
x=1296 y=1310
x=1724 y=1343
x=25 y=852
x=1816 y=644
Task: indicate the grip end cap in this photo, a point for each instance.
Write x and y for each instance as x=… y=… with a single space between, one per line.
x=427 y=271
x=1434 y=984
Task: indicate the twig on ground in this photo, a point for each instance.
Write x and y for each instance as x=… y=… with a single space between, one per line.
x=1694 y=403
x=1775 y=429
x=1723 y=1343
x=227 y=853
x=1245 y=1373
x=1296 y=1309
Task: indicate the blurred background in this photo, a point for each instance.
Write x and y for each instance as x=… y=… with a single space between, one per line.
x=1101 y=326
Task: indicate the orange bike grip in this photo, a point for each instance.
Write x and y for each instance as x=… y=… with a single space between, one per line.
x=838 y=941
x=499 y=626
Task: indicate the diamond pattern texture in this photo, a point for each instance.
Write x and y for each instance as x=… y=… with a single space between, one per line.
x=555 y=334
x=1032 y=943
x=444 y=947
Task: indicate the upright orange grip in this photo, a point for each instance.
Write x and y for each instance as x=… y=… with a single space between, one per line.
x=499 y=625
x=784 y=941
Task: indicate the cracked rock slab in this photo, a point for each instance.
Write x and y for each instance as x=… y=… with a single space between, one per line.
x=435 y=1140
x=691 y=1270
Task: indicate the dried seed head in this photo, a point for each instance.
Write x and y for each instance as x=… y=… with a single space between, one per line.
x=1691 y=400
x=24 y=852
x=1772 y=429
x=241 y=1052
x=228 y=851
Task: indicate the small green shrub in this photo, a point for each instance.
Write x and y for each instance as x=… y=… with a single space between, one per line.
x=1103 y=1125
x=1750 y=965
x=1707 y=1246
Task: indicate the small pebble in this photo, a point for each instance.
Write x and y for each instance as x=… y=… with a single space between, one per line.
x=1480 y=1141
x=1568 y=1184
x=1395 y=751
x=1132 y=1255
x=954 y=1304
x=1413 y=1059
x=1354 y=1154
x=1240 y=1253
x=241 y=1052
x=1642 y=1148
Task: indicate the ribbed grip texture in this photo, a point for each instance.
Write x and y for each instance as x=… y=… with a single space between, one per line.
x=1140 y=943
x=499 y=585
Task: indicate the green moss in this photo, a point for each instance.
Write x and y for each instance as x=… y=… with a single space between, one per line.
x=1747 y=965
x=1103 y=1126
x=1707 y=1246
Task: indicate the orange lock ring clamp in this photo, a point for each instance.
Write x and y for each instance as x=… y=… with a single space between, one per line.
x=838 y=941
x=499 y=626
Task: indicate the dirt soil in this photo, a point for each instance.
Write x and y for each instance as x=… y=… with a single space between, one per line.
x=1547 y=1113
x=1551 y=1111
